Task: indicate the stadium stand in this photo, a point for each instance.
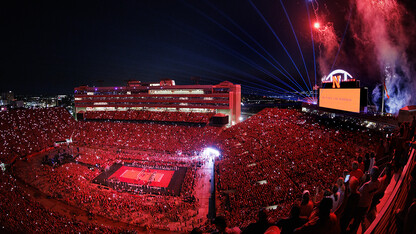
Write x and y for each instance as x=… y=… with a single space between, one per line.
x=22 y=214
x=267 y=163
x=26 y=131
x=272 y=157
x=162 y=116
x=170 y=138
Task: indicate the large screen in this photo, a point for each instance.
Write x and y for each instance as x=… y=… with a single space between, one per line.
x=340 y=99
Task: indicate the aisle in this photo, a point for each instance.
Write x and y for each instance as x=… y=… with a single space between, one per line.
x=204 y=187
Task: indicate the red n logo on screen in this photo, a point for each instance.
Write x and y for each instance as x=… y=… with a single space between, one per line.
x=336 y=80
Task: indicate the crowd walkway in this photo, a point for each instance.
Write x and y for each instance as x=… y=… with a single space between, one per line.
x=204 y=187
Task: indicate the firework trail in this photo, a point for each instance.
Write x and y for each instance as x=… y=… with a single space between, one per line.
x=327 y=39
x=379 y=32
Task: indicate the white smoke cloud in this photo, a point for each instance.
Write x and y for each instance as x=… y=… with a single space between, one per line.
x=378 y=25
x=377 y=92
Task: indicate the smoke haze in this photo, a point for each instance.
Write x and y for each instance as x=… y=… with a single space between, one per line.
x=380 y=41
x=328 y=46
x=381 y=36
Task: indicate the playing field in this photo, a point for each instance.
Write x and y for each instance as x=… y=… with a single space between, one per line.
x=143 y=176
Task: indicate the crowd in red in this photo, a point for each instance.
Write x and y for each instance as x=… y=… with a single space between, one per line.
x=104 y=143
x=164 y=116
x=351 y=202
x=106 y=158
x=70 y=183
x=269 y=159
x=170 y=138
x=26 y=131
x=22 y=214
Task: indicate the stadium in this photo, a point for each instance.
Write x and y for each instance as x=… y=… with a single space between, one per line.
x=155 y=170
x=208 y=117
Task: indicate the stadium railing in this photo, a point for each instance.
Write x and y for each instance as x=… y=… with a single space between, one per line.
x=385 y=221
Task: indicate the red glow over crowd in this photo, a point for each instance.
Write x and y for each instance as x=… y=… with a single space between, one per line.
x=189 y=117
x=23 y=132
x=145 y=136
x=288 y=150
x=275 y=164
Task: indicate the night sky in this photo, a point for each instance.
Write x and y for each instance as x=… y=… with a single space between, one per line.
x=52 y=47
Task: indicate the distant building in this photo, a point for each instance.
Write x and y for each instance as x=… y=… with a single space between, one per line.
x=8 y=96
x=6 y=99
x=164 y=96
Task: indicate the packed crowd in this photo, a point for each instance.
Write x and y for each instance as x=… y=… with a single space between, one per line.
x=41 y=128
x=106 y=157
x=170 y=138
x=22 y=214
x=158 y=116
x=351 y=202
x=70 y=183
x=26 y=131
x=269 y=159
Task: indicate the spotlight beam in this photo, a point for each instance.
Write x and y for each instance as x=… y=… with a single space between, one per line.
x=235 y=78
x=297 y=42
x=234 y=53
x=313 y=44
x=247 y=45
x=275 y=35
x=184 y=74
x=285 y=73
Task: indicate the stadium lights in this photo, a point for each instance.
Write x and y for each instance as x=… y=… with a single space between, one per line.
x=211 y=152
